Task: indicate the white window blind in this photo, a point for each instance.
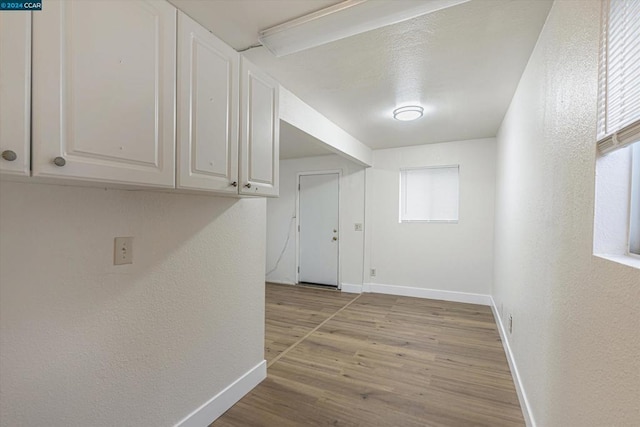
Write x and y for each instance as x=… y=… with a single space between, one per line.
x=429 y=194
x=619 y=75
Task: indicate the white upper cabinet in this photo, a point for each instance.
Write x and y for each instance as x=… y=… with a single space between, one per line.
x=104 y=77
x=133 y=93
x=259 y=134
x=15 y=92
x=208 y=98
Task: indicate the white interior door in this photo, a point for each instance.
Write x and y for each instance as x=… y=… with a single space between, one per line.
x=318 y=220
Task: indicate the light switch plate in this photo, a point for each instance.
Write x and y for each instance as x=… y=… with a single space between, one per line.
x=123 y=251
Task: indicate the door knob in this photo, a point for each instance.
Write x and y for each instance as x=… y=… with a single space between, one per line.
x=234 y=184
x=248 y=185
x=9 y=155
x=59 y=161
x=335 y=231
x=334 y=238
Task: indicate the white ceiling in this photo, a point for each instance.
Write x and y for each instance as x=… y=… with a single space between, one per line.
x=462 y=64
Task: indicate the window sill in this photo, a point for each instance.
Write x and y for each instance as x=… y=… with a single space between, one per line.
x=628 y=260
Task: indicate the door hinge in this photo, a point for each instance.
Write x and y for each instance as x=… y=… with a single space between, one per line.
x=298 y=187
x=298 y=269
x=298 y=228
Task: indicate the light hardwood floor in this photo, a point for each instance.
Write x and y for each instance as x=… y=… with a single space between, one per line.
x=293 y=311
x=378 y=360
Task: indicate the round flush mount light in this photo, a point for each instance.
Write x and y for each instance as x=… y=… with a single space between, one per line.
x=408 y=113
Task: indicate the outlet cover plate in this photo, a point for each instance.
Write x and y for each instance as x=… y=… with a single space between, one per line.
x=123 y=251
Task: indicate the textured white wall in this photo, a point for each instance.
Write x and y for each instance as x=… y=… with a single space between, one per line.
x=449 y=257
x=281 y=210
x=87 y=343
x=576 y=325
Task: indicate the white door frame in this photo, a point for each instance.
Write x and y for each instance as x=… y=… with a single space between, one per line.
x=320 y=172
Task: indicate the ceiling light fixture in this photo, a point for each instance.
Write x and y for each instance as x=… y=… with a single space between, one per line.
x=408 y=113
x=342 y=20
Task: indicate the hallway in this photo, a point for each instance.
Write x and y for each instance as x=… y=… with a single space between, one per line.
x=378 y=360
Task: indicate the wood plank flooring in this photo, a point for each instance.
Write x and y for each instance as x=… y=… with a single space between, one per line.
x=293 y=311
x=378 y=360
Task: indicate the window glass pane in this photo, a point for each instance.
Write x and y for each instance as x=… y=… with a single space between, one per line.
x=429 y=194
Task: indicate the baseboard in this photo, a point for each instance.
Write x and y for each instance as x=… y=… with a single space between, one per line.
x=351 y=288
x=409 y=291
x=279 y=282
x=522 y=396
x=218 y=404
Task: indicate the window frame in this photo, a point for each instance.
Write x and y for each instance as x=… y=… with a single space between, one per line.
x=634 y=200
x=617 y=138
x=401 y=193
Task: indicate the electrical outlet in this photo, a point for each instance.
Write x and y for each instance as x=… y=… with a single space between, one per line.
x=373 y=272
x=123 y=251
x=358 y=226
x=510 y=323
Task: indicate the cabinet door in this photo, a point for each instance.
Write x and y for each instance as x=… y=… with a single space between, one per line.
x=15 y=92
x=104 y=91
x=260 y=133
x=207 y=110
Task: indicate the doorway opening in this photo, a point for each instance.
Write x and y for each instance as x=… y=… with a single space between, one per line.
x=318 y=226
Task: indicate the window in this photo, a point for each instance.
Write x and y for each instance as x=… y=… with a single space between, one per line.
x=429 y=194
x=617 y=211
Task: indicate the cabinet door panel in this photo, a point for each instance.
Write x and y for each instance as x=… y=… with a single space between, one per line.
x=208 y=110
x=104 y=91
x=261 y=130
x=260 y=155
x=15 y=92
